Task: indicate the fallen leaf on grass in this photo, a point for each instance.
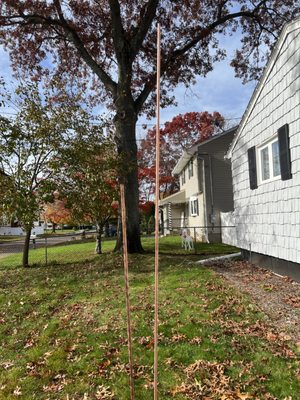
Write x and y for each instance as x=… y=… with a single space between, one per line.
x=178 y=338
x=215 y=287
x=57 y=385
x=101 y=329
x=29 y=343
x=196 y=340
x=146 y=341
x=208 y=380
x=17 y=391
x=104 y=393
x=259 y=329
x=54 y=387
x=113 y=351
x=243 y=396
x=170 y=362
x=149 y=385
x=7 y=364
x=104 y=364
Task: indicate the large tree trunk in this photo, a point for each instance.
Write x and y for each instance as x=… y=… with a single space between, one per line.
x=99 y=229
x=119 y=241
x=125 y=123
x=26 y=249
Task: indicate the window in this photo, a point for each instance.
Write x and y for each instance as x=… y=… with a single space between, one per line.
x=268 y=161
x=272 y=160
x=194 y=207
x=191 y=168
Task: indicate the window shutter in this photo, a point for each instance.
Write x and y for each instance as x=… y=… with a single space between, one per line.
x=284 y=152
x=252 y=167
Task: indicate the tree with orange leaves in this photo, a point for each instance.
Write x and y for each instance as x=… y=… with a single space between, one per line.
x=56 y=212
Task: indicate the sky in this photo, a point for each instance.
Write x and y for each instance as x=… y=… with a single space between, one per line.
x=218 y=91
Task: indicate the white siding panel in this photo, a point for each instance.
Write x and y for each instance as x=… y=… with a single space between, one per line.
x=268 y=218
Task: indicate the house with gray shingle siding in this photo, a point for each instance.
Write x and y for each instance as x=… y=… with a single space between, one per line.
x=265 y=159
x=205 y=189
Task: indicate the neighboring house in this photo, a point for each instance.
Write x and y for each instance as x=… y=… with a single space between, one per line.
x=265 y=157
x=16 y=230
x=205 y=189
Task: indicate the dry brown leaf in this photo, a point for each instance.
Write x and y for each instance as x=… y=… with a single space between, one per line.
x=178 y=338
x=104 y=393
x=293 y=301
x=17 y=391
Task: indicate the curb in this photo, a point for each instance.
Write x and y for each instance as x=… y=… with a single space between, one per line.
x=208 y=261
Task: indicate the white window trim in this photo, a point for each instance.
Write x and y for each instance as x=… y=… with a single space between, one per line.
x=192 y=201
x=259 y=168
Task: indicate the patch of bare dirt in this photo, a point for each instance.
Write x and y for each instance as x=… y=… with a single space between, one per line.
x=278 y=297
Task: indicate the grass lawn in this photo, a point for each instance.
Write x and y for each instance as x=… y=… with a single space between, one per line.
x=7 y=238
x=63 y=335
x=49 y=232
x=81 y=252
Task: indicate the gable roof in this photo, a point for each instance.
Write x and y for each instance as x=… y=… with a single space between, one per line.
x=189 y=153
x=287 y=29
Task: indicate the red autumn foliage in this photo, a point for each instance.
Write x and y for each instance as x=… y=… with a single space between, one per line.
x=56 y=213
x=147 y=207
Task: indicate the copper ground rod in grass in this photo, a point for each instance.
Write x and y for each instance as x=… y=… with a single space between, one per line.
x=156 y=262
x=126 y=275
